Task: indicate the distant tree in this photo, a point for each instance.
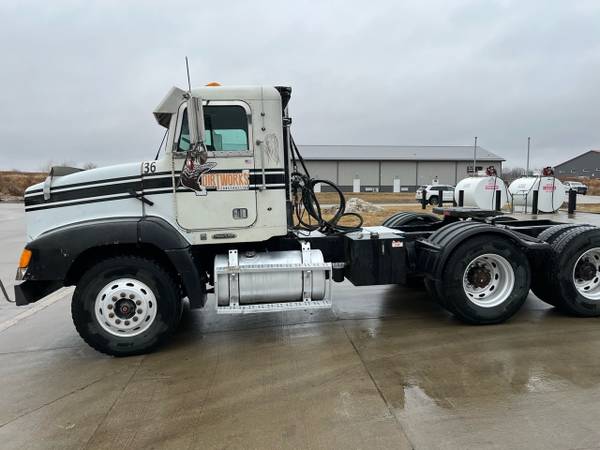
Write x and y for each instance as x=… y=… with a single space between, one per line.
x=512 y=173
x=45 y=168
x=89 y=165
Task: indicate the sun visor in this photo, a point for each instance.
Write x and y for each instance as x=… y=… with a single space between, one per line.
x=169 y=105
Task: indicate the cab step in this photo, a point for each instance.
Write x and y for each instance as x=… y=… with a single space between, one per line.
x=274 y=307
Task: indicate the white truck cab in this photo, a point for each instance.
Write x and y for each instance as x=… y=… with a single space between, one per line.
x=229 y=208
x=241 y=195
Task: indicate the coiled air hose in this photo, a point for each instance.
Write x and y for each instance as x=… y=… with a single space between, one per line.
x=306 y=203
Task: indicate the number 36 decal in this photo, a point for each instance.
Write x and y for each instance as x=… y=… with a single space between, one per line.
x=149 y=167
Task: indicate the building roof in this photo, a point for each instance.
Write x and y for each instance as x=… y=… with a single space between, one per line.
x=576 y=157
x=396 y=152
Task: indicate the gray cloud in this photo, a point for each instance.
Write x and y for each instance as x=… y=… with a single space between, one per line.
x=80 y=79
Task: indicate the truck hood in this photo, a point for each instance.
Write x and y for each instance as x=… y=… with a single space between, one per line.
x=108 y=173
x=69 y=196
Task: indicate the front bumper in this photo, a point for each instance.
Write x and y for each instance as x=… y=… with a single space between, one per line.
x=30 y=291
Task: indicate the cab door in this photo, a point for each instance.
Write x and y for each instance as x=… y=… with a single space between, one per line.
x=224 y=196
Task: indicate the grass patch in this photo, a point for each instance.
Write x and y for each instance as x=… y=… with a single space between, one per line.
x=14 y=183
x=586 y=207
x=377 y=218
x=328 y=198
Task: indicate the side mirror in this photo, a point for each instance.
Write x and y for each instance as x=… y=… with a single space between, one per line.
x=195 y=116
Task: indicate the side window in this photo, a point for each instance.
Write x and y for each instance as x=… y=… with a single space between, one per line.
x=226 y=129
x=184 y=136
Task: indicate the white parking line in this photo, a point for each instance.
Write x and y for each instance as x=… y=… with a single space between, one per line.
x=37 y=307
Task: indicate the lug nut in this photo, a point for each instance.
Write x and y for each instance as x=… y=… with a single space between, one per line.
x=111 y=315
x=118 y=321
x=138 y=302
x=127 y=322
x=135 y=319
x=114 y=299
x=123 y=294
x=131 y=296
x=139 y=310
x=109 y=306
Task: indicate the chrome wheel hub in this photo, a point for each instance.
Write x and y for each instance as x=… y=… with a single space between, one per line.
x=586 y=274
x=125 y=307
x=488 y=280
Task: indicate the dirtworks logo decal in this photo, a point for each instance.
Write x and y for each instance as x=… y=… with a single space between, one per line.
x=227 y=181
x=195 y=175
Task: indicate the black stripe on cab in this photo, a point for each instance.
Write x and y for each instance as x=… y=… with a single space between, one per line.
x=154 y=181
x=84 y=201
x=140 y=175
x=75 y=194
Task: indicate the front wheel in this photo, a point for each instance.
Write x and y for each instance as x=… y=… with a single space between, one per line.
x=485 y=281
x=125 y=306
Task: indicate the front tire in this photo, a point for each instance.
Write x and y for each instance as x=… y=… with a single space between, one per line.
x=126 y=305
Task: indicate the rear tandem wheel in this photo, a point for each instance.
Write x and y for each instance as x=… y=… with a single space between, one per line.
x=485 y=279
x=409 y=218
x=540 y=283
x=572 y=273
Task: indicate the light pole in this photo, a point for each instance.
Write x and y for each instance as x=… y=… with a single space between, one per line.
x=528 y=146
x=475 y=158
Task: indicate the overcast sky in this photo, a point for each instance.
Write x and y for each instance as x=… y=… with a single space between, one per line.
x=79 y=79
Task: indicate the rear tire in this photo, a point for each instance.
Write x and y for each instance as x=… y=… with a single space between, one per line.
x=542 y=276
x=126 y=305
x=431 y=287
x=485 y=280
x=443 y=238
x=433 y=200
x=409 y=218
x=574 y=272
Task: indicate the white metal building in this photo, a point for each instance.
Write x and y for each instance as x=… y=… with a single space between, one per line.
x=375 y=167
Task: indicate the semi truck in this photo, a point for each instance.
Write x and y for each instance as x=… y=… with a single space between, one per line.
x=229 y=209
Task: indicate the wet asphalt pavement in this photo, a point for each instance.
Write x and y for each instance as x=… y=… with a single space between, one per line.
x=386 y=368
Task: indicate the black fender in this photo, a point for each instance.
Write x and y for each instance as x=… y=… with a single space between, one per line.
x=57 y=254
x=434 y=252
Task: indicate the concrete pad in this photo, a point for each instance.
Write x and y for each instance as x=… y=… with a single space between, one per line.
x=12 y=241
x=385 y=368
x=517 y=385
x=57 y=399
x=310 y=391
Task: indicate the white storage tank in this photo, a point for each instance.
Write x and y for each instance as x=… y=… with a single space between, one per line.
x=551 y=193
x=480 y=192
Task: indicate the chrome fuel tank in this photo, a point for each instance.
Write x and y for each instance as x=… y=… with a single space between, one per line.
x=270 y=277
